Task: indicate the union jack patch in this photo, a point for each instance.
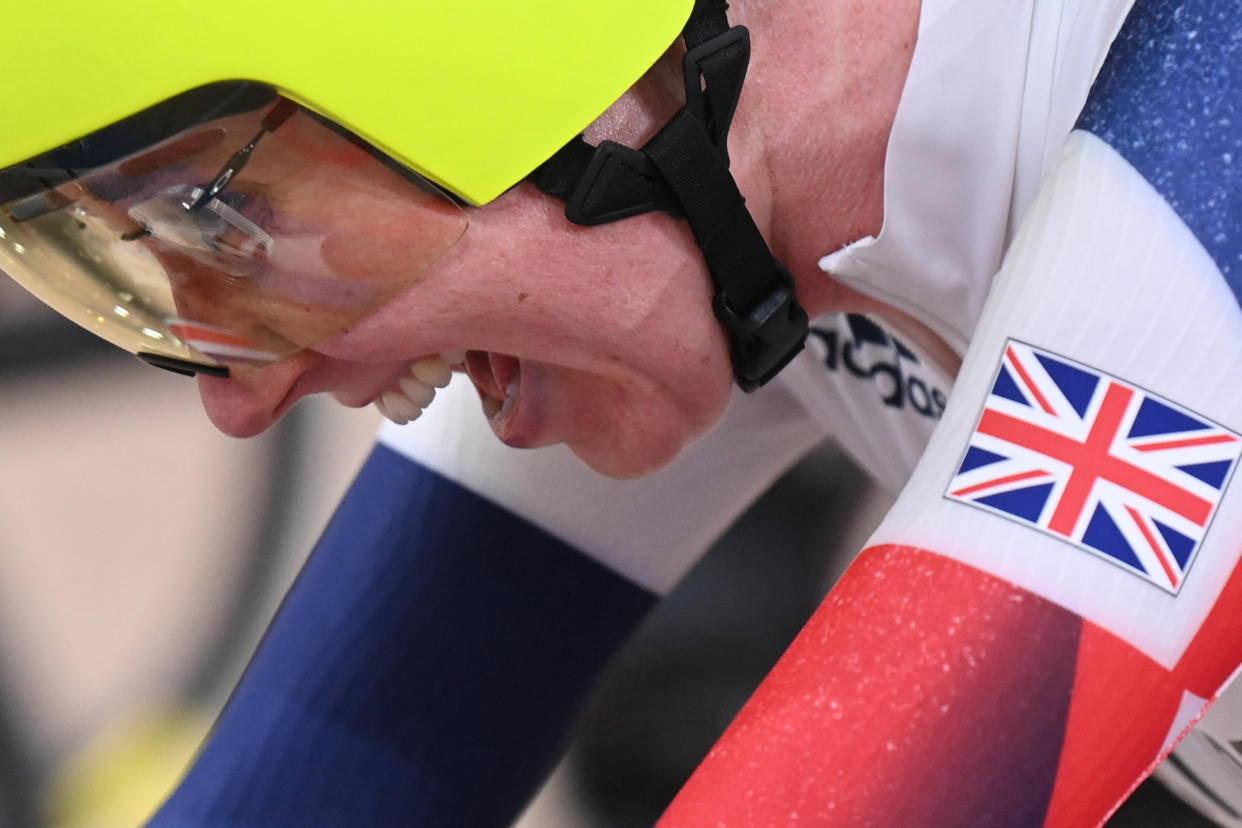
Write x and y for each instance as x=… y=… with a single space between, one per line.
x=1098 y=462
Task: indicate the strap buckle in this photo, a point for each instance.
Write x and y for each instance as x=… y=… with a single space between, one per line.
x=765 y=339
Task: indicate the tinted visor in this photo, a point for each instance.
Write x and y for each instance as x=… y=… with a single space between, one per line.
x=237 y=236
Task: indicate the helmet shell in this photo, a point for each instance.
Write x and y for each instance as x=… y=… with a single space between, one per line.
x=472 y=94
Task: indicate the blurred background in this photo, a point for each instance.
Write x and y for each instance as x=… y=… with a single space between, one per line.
x=142 y=553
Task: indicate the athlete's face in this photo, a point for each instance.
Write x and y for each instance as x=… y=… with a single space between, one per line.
x=601 y=338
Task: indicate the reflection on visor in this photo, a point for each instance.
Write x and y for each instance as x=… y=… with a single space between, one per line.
x=213 y=247
x=214 y=234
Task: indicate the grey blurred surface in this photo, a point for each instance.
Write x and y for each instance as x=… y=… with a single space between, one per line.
x=141 y=551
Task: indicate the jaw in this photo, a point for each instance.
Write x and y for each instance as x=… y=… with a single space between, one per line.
x=621 y=422
x=601 y=338
x=623 y=427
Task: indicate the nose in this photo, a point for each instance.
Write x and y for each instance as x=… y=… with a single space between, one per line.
x=254 y=397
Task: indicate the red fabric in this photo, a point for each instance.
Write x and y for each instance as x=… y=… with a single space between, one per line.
x=926 y=692
x=1125 y=705
x=922 y=692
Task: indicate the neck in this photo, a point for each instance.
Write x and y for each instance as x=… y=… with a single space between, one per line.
x=825 y=81
x=810 y=135
x=824 y=85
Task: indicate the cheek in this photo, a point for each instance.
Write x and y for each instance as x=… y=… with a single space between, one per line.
x=629 y=300
x=645 y=438
x=386 y=254
x=631 y=429
x=622 y=283
x=380 y=230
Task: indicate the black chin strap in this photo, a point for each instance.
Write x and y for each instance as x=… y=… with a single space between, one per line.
x=684 y=171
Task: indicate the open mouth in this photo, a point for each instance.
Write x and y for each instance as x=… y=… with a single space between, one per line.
x=496 y=376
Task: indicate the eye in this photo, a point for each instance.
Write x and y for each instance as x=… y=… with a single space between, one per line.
x=114 y=188
x=173 y=154
x=250 y=203
x=148 y=173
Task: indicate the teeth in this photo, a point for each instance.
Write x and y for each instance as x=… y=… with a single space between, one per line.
x=434 y=371
x=417 y=389
x=418 y=392
x=397 y=407
x=383 y=409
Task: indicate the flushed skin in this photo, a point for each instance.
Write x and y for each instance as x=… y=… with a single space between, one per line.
x=619 y=354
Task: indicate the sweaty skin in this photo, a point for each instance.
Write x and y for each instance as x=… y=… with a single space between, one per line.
x=604 y=336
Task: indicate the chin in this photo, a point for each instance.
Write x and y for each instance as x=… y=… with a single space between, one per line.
x=624 y=463
x=623 y=425
x=643 y=438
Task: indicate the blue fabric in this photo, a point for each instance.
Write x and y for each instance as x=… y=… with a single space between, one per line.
x=1168 y=100
x=423 y=670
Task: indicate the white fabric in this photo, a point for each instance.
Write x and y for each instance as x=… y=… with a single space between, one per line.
x=994 y=88
x=885 y=439
x=649 y=530
x=1107 y=275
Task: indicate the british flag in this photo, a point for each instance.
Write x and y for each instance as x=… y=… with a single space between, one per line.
x=1096 y=461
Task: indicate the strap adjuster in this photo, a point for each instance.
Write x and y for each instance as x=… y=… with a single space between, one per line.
x=714 y=104
x=684 y=171
x=764 y=340
x=619 y=182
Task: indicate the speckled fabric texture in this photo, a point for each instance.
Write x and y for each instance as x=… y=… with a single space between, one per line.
x=1168 y=100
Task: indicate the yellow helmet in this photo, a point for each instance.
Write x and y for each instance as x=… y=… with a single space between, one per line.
x=138 y=189
x=472 y=95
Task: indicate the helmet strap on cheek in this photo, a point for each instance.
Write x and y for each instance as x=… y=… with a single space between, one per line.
x=684 y=171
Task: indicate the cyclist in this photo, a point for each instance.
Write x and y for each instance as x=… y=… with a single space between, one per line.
x=1067 y=527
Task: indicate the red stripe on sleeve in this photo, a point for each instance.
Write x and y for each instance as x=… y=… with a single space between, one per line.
x=922 y=692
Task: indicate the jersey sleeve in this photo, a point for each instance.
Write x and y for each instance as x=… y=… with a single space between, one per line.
x=1053 y=600
x=423 y=669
